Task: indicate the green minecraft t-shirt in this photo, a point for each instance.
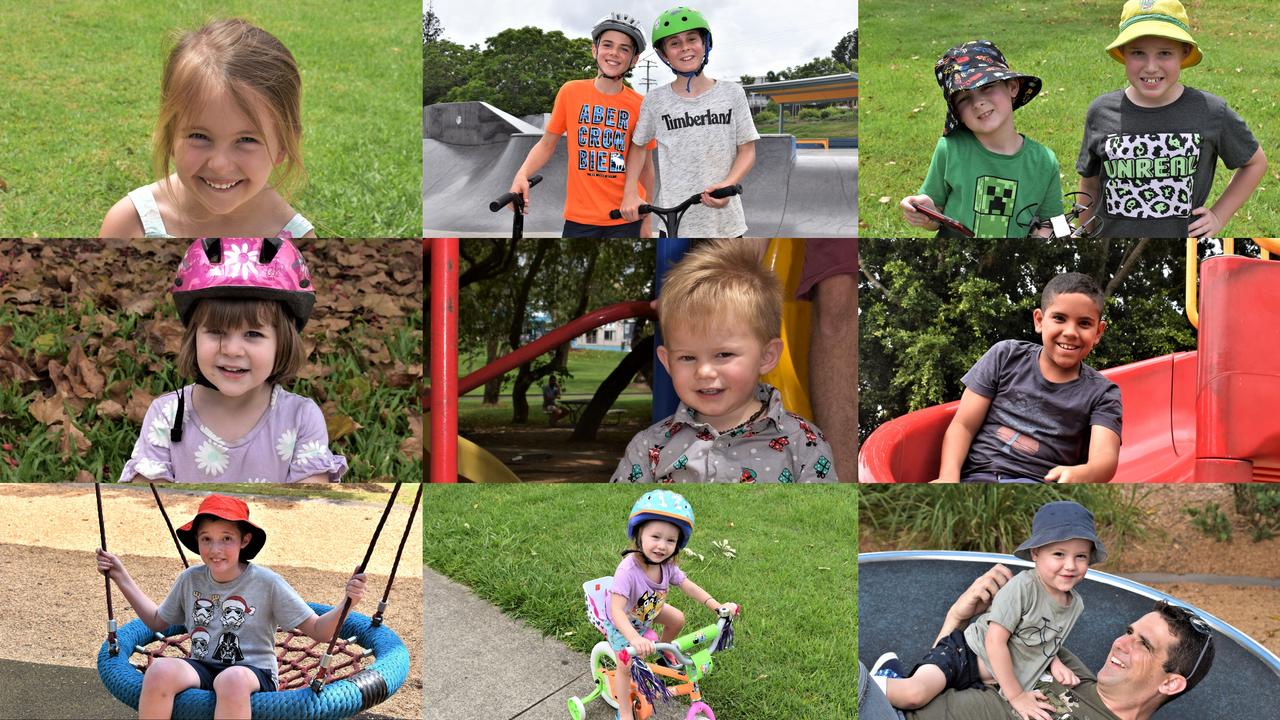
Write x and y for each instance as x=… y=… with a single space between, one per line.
x=992 y=194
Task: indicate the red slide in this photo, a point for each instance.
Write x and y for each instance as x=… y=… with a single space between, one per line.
x=1207 y=416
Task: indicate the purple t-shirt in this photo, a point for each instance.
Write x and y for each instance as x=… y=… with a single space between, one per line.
x=289 y=443
x=645 y=598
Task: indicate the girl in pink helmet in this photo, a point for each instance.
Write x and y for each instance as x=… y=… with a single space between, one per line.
x=228 y=141
x=243 y=302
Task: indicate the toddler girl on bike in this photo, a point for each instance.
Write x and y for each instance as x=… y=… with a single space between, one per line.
x=227 y=143
x=660 y=526
x=243 y=303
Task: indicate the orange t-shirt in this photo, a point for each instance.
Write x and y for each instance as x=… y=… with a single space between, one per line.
x=598 y=129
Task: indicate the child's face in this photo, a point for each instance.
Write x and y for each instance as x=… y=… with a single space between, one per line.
x=236 y=361
x=1062 y=565
x=715 y=370
x=684 y=51
x=988 y=108
x=658 y=540
x=1069 y=328
x=222 y=161
x=220 y=542
x=1152 y=65
x=614 y=53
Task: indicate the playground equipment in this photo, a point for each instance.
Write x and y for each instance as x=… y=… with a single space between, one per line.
x=1200 y=416
x=342 y=685
x=903 y=597
x=456 y=457
x=692 y=652
x=474 y=148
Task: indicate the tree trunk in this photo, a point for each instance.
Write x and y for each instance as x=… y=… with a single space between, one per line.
x=493 y=388
x=524 y=376
x=609 y=390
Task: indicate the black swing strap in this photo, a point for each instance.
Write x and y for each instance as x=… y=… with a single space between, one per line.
x=172 y=534
x=382 y=606
x=112 y=645
x=317 y=684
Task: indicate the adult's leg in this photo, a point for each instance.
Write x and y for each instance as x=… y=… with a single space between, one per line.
x=161 y=684
x=833 y=369
x=232 y=688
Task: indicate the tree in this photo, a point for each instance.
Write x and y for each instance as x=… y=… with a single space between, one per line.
x=929 y=309
x=445 y=66
x=521 y=69
x=432 y=30
x=846 y=51
x=816 y=67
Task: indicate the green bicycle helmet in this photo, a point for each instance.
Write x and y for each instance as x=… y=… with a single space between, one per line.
x=666 y=506
x=678 y=20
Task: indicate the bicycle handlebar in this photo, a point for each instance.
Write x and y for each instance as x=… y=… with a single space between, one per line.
x=725 y=618
x=724 y=192
x=505 y=199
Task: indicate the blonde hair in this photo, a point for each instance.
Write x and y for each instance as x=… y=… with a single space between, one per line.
x=227 y=314
x=248 y=63
x=722 y=281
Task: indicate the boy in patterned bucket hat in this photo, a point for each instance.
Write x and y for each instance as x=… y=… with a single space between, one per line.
x=984 y=173
x=1150 y=150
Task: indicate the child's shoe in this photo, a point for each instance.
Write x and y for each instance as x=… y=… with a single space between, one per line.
x=668 y=660
x=887 y=666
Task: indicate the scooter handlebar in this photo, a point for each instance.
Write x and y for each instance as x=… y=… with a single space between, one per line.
x=724 y=192
x=505 y=199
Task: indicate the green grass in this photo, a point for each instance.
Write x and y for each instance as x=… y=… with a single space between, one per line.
x=528 y=550
x=474 y=416
x=372 y=451
x=587 y=369
x=81 y=86
x=812 y=128
x=902 y=107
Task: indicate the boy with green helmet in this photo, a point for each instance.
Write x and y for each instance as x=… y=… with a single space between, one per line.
x=598 y=117
x=703 y=128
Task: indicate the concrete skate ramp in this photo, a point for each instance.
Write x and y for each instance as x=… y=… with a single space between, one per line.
x=472 y=150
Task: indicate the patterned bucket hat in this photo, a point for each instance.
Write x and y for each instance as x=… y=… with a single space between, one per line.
x=972 y=65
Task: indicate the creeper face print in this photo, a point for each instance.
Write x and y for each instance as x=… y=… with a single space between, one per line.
x=993 y=200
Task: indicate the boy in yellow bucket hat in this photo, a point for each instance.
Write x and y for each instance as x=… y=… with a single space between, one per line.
x=1150 y=150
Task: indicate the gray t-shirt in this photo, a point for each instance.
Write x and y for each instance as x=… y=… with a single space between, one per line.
x=235 y=622
x=1034 y=425
x=1156 y=165
x=1038 y=625
x=698 y=139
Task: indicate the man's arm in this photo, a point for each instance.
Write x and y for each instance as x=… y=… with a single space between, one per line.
x=959 y=436
x=974 y=600
x=1104 y=457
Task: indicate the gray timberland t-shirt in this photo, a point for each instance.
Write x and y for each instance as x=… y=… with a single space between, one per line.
x=1036 y=622
x=1034 y=425
x=698 y=139
x=235 y=622
x=1156 y=165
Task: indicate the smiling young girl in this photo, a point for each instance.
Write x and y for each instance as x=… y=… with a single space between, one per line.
x=660 y=525
x=244 y=303
x=227 y=144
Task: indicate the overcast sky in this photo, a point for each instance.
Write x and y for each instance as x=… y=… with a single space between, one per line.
x=750 y=37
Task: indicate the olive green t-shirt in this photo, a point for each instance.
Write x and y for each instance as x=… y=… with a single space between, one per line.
x=1078 y=703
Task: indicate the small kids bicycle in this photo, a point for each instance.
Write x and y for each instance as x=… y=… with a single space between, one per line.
x=671 y=216
x=692 y=652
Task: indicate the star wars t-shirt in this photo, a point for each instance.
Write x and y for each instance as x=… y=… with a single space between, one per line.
x=598 y=128
x=234 y=622
x=1156 y=165
x=698 y=140
x=993 y=195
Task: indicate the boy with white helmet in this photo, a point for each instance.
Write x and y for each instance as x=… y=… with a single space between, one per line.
x=598 y=117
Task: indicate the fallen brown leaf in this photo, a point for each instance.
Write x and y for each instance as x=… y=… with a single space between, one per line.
x=139 y=402
x=340 y=426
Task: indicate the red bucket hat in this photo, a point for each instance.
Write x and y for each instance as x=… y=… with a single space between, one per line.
x=225 y=508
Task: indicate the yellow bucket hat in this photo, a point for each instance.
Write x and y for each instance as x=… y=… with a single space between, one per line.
x=1162 y=18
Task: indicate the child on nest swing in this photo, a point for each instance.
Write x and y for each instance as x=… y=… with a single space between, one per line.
x=660 y=526
x=227 y=145
x=243 y=303
x=232 y=608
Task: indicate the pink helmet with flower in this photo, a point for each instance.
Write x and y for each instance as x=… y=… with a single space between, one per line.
x=244 y=268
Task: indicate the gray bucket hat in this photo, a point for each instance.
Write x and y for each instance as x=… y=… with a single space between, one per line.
x=1058 y=521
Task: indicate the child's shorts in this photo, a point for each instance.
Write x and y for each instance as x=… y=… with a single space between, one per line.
x=957 y=661
x=209 y=670
x=616 y=640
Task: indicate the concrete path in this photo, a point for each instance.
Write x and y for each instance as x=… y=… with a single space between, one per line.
x=480 y=664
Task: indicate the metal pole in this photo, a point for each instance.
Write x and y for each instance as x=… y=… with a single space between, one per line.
x=444 y=360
